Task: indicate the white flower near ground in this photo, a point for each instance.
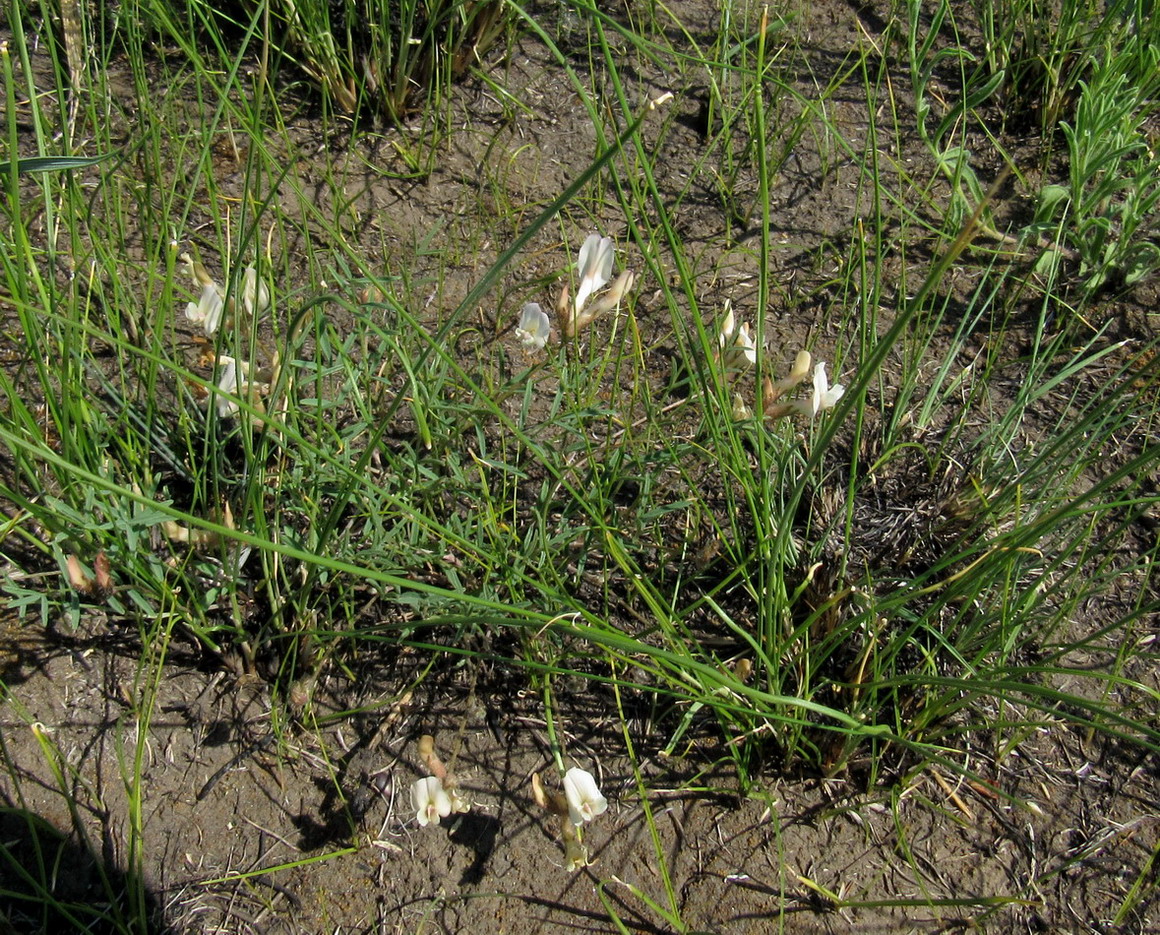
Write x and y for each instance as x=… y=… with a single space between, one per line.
x=235 y=381
x=738 y=351
x=825 y=396
x=430 y=799
x=585 y=801
x=534 y=326
x=207 y=311
x=212 y=306
x=744 y=347
x=255 y=292
x=233 y=376
x=597 y=256
x=595 y=265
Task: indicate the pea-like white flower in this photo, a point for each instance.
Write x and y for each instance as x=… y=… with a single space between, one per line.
x=235 y=380
x=255 y=292
x=737 y=348
x=534 y=326
x=585 y=801
x=595 y=265
x=233 y=377
x=825 y=396
x=430 y=799
x=743 y=346
x=211 y=306
x=207 y=310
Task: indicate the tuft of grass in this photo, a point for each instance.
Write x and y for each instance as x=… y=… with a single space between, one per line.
x=394 y=60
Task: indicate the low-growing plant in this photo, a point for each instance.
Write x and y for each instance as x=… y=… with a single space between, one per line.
x=1040 y=52
x=1108 y=212
x=943 y=132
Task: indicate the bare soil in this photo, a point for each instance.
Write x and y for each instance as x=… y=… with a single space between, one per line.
x=241 y=786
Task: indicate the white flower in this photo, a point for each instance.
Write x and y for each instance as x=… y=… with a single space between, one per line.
x=235 y=381
x=233 y=375
x=825 y=396
x=728 y=326
x=207 y=311
x=211 y=307
x=737 y=348
x=534 y=326
x=584 y=799
x=255 y=294
x=743 y=346
x=430 y=800
x=595 y=265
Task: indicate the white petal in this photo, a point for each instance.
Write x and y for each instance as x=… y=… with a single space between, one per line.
x=821 y=386
x=728 y=325
x=832 y=396
x=420 y=796
x=441 y=802
x=740 y=351
x=232 y=379
x=824 y=396
x=745 y=344
x=430 y=800
x=596 y=257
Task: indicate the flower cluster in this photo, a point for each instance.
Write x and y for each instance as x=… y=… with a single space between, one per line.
x=235 y=381
x=210 y=309
x=595 y=263
x=437 y=796
x=823 y=396
x=737 y=352
x=236 y=378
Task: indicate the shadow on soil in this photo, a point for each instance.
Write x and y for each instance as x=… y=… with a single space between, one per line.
x=50 y=883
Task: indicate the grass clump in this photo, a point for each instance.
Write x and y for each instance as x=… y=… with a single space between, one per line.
x=393 y=60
